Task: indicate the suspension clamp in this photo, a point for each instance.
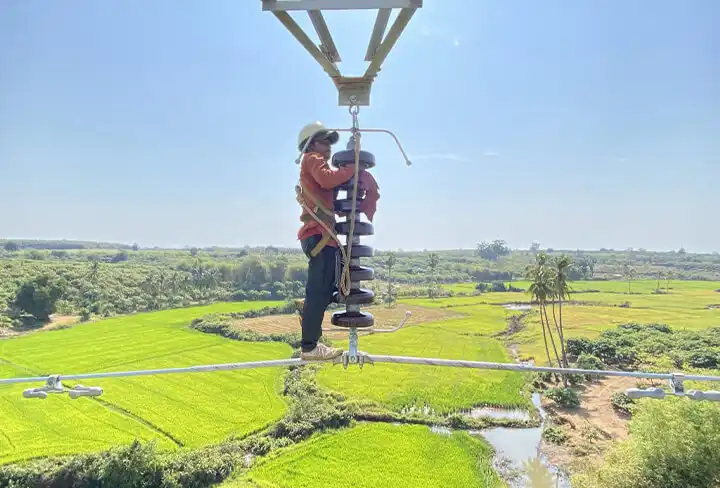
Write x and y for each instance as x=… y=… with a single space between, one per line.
x=676 y=383
x=54 y=385
x=359 y=358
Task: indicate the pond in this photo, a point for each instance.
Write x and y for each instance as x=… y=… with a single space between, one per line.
x=515 y=446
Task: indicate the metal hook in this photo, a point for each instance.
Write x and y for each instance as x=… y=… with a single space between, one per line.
x=354 y=108
x=397 y=327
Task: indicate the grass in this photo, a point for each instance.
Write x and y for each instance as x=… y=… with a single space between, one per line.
x=372 y=455
x=685 y=307
x=443 y=389
x=194 y=409
x=186 y=409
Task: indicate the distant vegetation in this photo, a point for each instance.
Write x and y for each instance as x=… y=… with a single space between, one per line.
x=39 y=278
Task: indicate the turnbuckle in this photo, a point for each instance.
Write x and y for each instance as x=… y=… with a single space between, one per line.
x=54 y=385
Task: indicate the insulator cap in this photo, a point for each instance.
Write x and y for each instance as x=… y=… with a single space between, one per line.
x=352 y=319
x=361 y=273
x=347 y=158
x=361 y=228
x=358 y=296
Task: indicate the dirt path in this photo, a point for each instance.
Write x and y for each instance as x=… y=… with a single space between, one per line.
x=385 y=318
x=592 y=427
x=55 y=322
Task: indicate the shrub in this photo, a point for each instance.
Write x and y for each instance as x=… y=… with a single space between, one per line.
x=135 y=465
x=704 y=360
x=670 y=446
x=588 y=361
x=311 y=409
x=498 y=286
x=565 y=397
x=575 y=347
x=576 y=379
x=123 y=467
x=621 y=402
x=38 y=297
x=482 y=287
x=629 y=344
x=555 y=435
x=539 y=379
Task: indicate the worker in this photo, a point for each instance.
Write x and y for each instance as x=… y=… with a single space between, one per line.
x=318 y=183
x=318 y=189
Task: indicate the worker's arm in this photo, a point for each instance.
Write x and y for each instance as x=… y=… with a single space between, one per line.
x=326 y=177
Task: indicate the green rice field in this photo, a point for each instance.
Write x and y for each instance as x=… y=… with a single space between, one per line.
x=369 y=455
x=197 y=409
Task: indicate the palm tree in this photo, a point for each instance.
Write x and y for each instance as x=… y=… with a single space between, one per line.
x=434 y=260
x=561 y=291
x=541 y=288
x=628 y=274
x=390 y=262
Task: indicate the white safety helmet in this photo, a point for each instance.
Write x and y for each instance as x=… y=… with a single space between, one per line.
x=315 y=129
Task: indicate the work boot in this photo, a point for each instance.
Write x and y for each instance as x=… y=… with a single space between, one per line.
x=321 y=353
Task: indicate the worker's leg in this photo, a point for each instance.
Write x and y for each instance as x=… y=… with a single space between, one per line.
x=318 y=293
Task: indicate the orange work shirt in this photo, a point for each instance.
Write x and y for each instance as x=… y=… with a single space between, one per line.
x=319 y=180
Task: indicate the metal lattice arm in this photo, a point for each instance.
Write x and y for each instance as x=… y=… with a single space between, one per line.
x=352 y=90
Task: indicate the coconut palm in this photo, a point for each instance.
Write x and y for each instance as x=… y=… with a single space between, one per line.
x=561 y=291
x=628 y=274
x=433 y=261
x=541 y=288
x=390 y=263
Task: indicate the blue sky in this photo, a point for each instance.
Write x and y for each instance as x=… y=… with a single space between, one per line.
x=577 y=124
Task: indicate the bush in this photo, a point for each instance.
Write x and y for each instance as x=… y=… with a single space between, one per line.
x=498 y=286
x=630 y=344
x=123 y=467
x=38 y=297
x=555 y=435
x=621 y=402
x=576 y=379
x=588 y=361
x=539 y=379
x=482 y=287
x=311 y=410
x=671 y=446
x=132 y=466
x=704 y=360
x=565 y=397
x=576 y=347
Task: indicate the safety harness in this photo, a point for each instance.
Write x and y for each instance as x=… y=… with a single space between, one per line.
x=318 y=212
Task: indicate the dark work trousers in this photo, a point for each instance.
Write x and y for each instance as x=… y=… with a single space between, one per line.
x=321 y=284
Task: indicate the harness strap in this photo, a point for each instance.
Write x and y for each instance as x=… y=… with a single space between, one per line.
x=319 y=213
x=320 y=245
